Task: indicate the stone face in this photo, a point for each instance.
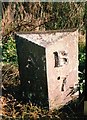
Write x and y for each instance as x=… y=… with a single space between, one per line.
x=48 y=66
x=32 y=69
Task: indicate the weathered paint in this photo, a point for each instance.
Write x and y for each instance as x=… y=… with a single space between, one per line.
x=69 y=44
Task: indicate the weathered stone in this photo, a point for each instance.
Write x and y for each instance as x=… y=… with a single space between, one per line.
x=48 y=66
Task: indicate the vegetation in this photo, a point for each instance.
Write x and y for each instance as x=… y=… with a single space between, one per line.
x=82 y=63
x=34 y=17
x=41 y=16
x=9 y=51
